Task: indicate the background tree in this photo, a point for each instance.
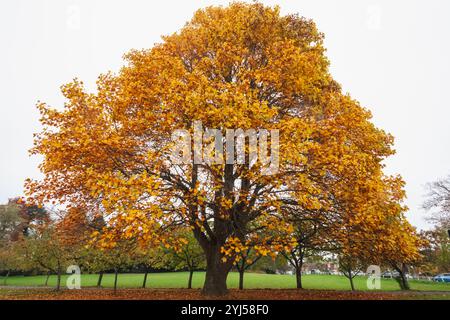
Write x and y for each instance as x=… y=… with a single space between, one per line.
x=11 y=259
x=118 y=256
x=438 y=199
x=46 y=250
x=271 y=266
x=245 y=259
x=351 y=266
x=189 y=256
x=96 y=260
x=9 y=222
x=18 y=221
x=436 y=254
x=150 y=258
x=436 y=251
x=311 y=236
x=401 y=249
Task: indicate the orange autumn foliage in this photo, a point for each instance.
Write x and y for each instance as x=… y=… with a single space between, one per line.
x=242 y=66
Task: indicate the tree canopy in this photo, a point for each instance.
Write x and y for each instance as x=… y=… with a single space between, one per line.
x=242 y=66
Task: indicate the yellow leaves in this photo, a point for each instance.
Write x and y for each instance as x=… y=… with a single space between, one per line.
x=232 y=247
x=242 y=66
x=262 y=251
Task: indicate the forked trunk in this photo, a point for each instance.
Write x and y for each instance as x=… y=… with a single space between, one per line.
x=47 y=278
x=352 y=285
x=350 y=277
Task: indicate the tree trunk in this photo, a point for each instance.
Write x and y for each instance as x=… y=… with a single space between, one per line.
x=6 y=277
x=191 y=273
x=58 y=281
x=99 y=281
x=144 y=283
x=216 y=272
x=47 y=278
x=402 y=279
x=241 y=279
x=296 y=261
x=298 y=277
x=115 y=280
x=352 y=285
x=350 y=278
x=403 y=282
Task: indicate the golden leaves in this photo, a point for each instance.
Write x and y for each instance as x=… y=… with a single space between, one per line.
x=242 y=66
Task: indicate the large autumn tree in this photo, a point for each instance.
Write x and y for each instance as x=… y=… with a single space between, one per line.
x=242 y=66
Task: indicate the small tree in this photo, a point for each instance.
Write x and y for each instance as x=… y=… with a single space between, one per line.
x=246 y=258
x=400 y=248
x=189 y=256
x=118 y=257
x=9 y=222
x=309 y=233
x=437 y=251
x=10 y=260
x=351 y=266
x=403 y=254
x=46 y=250
x=96 y=261
x=149 y=258
x=438 y=199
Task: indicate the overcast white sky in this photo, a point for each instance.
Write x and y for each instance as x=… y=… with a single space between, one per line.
x=393 y=56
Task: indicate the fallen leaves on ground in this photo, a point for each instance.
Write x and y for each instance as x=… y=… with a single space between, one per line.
x=195 y=294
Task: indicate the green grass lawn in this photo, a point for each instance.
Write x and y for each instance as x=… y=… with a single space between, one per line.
x=252 y=281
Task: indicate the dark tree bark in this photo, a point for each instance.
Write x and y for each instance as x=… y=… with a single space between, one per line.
x=191 y=273
x=402 y=278
x=116 y=273
x=216 y=272
x=99 y=281
x=298 y=269
x=215 y=237
x=242 y=265
x=298 y=277
x=349 y=274
x=352 y=285
x=47 y=278
x=241 y=279
x=295 y=259
x=6 y=277
x=144 y=283
x=58 y=281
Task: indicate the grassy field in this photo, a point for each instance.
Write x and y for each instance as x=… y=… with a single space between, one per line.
x=252 y=281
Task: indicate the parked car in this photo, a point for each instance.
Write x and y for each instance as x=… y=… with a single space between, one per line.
x=390 y=274
x=315 y=271
x=443 y=277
